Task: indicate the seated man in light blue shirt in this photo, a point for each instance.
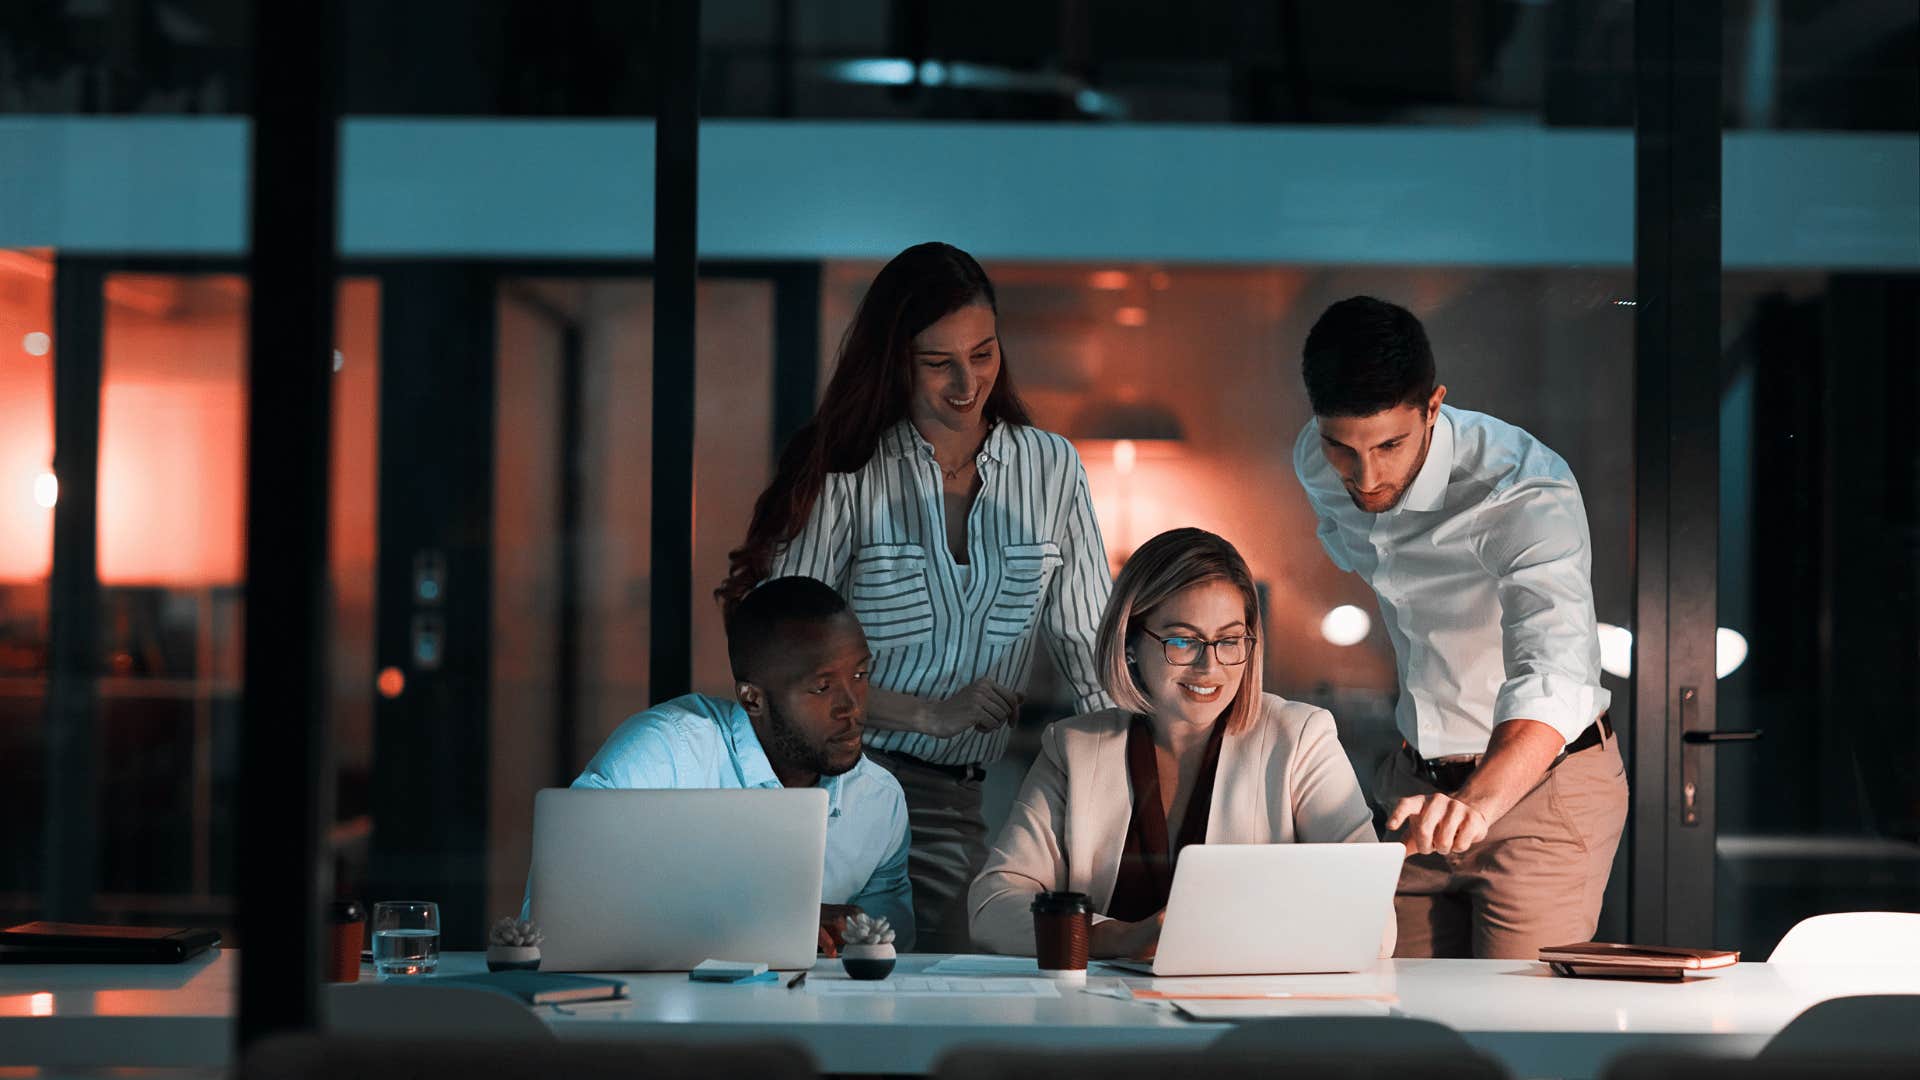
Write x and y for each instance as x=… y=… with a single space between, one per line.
x=800 y=665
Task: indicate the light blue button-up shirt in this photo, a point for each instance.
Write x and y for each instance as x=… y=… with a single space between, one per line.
x=699 y=741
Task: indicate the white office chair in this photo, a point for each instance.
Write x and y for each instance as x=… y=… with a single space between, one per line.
x=1852 y=937
x=406 y=1011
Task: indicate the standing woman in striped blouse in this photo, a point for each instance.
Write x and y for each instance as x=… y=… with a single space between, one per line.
x=960 y=534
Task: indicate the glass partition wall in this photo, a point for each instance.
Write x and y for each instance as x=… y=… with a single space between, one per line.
x=29 y=491
x=572 y=497
x=1819 y=486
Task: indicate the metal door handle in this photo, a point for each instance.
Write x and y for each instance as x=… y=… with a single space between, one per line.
x=1689 y=764
x=1697 y=737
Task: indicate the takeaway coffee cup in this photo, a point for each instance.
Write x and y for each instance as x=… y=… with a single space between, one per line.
x=1061 y=923
x=348 y=921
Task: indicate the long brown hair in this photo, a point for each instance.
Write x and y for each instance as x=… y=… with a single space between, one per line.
x=869 y=393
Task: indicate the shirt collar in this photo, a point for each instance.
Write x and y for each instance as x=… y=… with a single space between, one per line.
x=1429 y=489
x=751 y=759
x=905 y=440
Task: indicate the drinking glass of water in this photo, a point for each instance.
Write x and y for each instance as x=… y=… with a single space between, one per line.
x=406 y=937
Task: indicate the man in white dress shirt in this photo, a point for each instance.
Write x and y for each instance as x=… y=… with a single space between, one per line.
x=1508 y=790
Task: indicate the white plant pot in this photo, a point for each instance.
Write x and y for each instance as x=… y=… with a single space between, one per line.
x=513 y=957
x=867 y=961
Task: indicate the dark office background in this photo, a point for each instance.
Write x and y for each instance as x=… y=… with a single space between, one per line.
x=491 y=575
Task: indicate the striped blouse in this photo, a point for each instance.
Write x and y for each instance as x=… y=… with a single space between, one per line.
x=1036 y=567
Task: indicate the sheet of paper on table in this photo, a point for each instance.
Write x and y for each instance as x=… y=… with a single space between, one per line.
x=934 y=986
x=986 y=965
x=1362 y=985
x=1254 y=1010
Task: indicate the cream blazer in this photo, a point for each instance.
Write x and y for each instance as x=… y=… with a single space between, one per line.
x=1284 y=780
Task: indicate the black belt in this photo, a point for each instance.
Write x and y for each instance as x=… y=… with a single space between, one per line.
x=1597 y=732
x=951 y=772
x=1448 y=776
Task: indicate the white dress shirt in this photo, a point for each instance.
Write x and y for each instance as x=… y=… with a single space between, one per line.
x=1036 y=569
x=1484 y=576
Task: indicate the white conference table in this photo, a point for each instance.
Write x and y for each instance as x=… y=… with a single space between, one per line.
x=1538 y=1024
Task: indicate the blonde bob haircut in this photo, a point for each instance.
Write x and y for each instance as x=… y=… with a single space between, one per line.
x=1163 y=566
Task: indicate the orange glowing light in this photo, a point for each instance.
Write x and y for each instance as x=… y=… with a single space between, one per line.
x=26 y=444
x=46 y=490
x=172 y=475
x=40 y=1004
x=1130 y=316
x=391 y=682
x=1110 y=280
x=1125 y=453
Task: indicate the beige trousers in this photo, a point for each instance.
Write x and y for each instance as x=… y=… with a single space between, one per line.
x=949 y=838
x=1535 y=880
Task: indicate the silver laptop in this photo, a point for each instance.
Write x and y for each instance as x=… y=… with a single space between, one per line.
x=629 y=880
x=1276 y=909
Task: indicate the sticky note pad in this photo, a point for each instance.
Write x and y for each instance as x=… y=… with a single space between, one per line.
x=726 y=971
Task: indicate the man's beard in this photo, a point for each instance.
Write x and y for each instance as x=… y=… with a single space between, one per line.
x=1400 y=492
x=787 y=745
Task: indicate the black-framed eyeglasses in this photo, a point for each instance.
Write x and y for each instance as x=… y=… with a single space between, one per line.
x=1183 y=651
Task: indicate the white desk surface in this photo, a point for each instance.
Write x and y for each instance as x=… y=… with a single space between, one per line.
x=1537 y=1023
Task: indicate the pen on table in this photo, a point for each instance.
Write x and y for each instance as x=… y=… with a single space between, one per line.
x=794 y=983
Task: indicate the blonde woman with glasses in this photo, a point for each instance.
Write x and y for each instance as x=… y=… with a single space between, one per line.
x=1194 y=754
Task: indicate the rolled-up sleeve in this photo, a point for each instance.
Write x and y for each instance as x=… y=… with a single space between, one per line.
x=823 y=548
x=888 y=892
x=1533 y=540
x=1077 y=598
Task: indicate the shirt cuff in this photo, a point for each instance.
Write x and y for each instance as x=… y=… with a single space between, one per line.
x=1091 y=703
x=1562 y=704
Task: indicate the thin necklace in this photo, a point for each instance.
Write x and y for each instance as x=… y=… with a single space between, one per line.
x=970 y=460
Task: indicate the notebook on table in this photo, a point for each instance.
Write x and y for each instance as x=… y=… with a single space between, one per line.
x=92 y=943
x=1609 y=960
x=540 y=988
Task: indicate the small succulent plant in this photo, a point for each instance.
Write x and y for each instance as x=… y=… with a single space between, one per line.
x=863 y=929
x=515 y=933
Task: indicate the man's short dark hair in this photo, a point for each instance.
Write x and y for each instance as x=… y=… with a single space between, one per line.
x=1366 y=356
x=753 y=630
